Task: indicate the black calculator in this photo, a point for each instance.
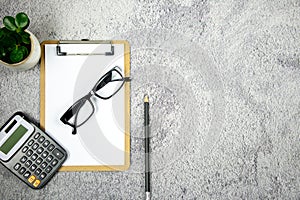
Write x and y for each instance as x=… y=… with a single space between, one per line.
x=28 y=152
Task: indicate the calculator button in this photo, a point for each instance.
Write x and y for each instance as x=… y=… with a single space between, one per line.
x=35 y=146
x=45 y=154
x=49 y=158
x=41 y=139
x=34 y=157
x=43 y=175
x=29 y=152
x=54 y=162
x=22 y=170
x=40 y=150
x=46 y=143
x=25 y=149
x=33 y=167
x=51 y=147
x=38 y=171
x=37 y=135
x=48 y=169
x=28 y=163
x=23 y=159
x=30 y=142
x=38 y=161
x=27 y=174
x=31 y=179
x=57 y=153
x=17 y=166
x=43 y=165
x=36 y=183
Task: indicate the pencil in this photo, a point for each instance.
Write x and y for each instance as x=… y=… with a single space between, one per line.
x=147 y=144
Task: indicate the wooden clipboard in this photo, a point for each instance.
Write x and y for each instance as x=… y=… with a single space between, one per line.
x=126 y=86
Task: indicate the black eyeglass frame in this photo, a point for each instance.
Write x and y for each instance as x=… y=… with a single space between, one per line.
x=75 y=108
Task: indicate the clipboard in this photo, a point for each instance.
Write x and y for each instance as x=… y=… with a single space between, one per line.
x=44 y=80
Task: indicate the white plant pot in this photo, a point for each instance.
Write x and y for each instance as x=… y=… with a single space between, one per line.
x=31 y=60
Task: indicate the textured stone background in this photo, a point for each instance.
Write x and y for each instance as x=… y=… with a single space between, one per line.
x=223 y=78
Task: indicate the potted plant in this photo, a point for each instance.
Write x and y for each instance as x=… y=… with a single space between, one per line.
x=19 y=48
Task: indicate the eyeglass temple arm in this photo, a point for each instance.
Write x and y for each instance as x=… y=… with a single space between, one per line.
x=127 y=79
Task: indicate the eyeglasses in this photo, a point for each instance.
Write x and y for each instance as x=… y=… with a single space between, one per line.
x=82 y=110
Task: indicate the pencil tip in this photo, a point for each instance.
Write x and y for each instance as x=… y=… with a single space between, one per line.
x=146 y=99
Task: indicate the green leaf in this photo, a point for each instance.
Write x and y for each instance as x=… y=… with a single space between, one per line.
x=9 y=41
x=24 y=51
x=25 y=37
x=9 y=23
x=16 y=56
x=18 y=38
x=6 y=31
x=22 y=20
x=24 y=34
x=26 y=40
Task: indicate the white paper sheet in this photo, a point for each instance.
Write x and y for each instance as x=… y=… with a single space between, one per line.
x=100 y=141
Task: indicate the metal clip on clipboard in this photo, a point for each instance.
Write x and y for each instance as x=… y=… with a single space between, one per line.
x=84 y=41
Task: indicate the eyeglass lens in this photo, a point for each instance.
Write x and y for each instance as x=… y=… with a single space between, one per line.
x=109 y=84
x=83 y=109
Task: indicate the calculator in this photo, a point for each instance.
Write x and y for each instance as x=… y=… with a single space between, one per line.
x=28 y=152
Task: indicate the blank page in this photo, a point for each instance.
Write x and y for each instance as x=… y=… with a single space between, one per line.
x=101 y=140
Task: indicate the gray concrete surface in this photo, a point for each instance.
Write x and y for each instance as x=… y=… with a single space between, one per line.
x=223 y=78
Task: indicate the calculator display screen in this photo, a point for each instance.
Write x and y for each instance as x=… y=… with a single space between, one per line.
x=13 y=139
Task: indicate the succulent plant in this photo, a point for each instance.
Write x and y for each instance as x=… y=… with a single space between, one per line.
x=15 y=44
